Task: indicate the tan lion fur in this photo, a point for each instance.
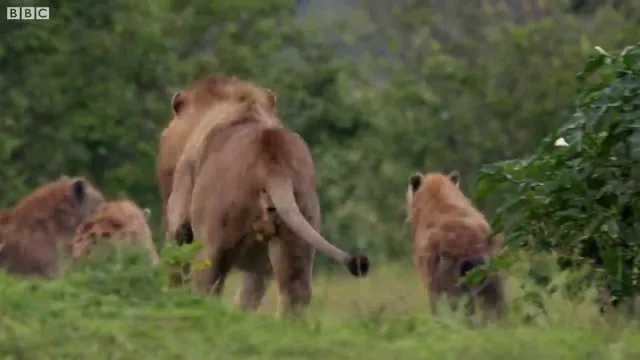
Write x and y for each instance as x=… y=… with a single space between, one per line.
x=219 y=117
x=193 y=104
x=449 y=233
x=240 y=150
x=39 y=229
x=119 y=220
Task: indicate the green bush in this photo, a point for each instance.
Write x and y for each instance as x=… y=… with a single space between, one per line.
x=582 y=201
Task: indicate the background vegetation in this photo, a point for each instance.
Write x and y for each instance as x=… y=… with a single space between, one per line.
x=378 y=92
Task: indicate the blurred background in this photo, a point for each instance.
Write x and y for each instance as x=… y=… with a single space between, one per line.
x=378 y=88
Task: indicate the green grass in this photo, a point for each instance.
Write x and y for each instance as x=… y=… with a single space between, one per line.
x=119 y=308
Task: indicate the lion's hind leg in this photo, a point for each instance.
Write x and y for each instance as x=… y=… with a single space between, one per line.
x=213 y=263
x=252 y=290
x=210 y=270
x=292 y=263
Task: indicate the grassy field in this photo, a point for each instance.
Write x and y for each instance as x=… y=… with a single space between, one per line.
x=119 y=308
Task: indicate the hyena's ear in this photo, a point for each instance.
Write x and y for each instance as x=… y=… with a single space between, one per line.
x=455 y=177
x=78 y=190
x=177 y=102
x=415 y=181
x=273 y=98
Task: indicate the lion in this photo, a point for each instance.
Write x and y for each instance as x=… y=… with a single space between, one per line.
x=239 y=153
x=451 y=238
x=118 y=220
x=38 y=230
x=190 y=106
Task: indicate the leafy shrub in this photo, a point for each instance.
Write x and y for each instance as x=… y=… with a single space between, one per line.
x=582 y=201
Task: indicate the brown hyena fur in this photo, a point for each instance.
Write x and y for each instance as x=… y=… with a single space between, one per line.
x=450 y=238
x=190 y=106
x=39 y=229
x=115 y=221
x=238 y=154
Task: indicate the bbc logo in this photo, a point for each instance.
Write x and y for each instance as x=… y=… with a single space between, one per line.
x=27 y=13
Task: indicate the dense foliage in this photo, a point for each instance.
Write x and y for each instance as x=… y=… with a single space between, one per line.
x=377 y=92
x=582 y=200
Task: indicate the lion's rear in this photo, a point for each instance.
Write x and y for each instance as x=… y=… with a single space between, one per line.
x=220 y=178
x=239 y=161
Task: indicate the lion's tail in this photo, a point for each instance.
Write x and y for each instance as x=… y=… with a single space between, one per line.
x=280 y=190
